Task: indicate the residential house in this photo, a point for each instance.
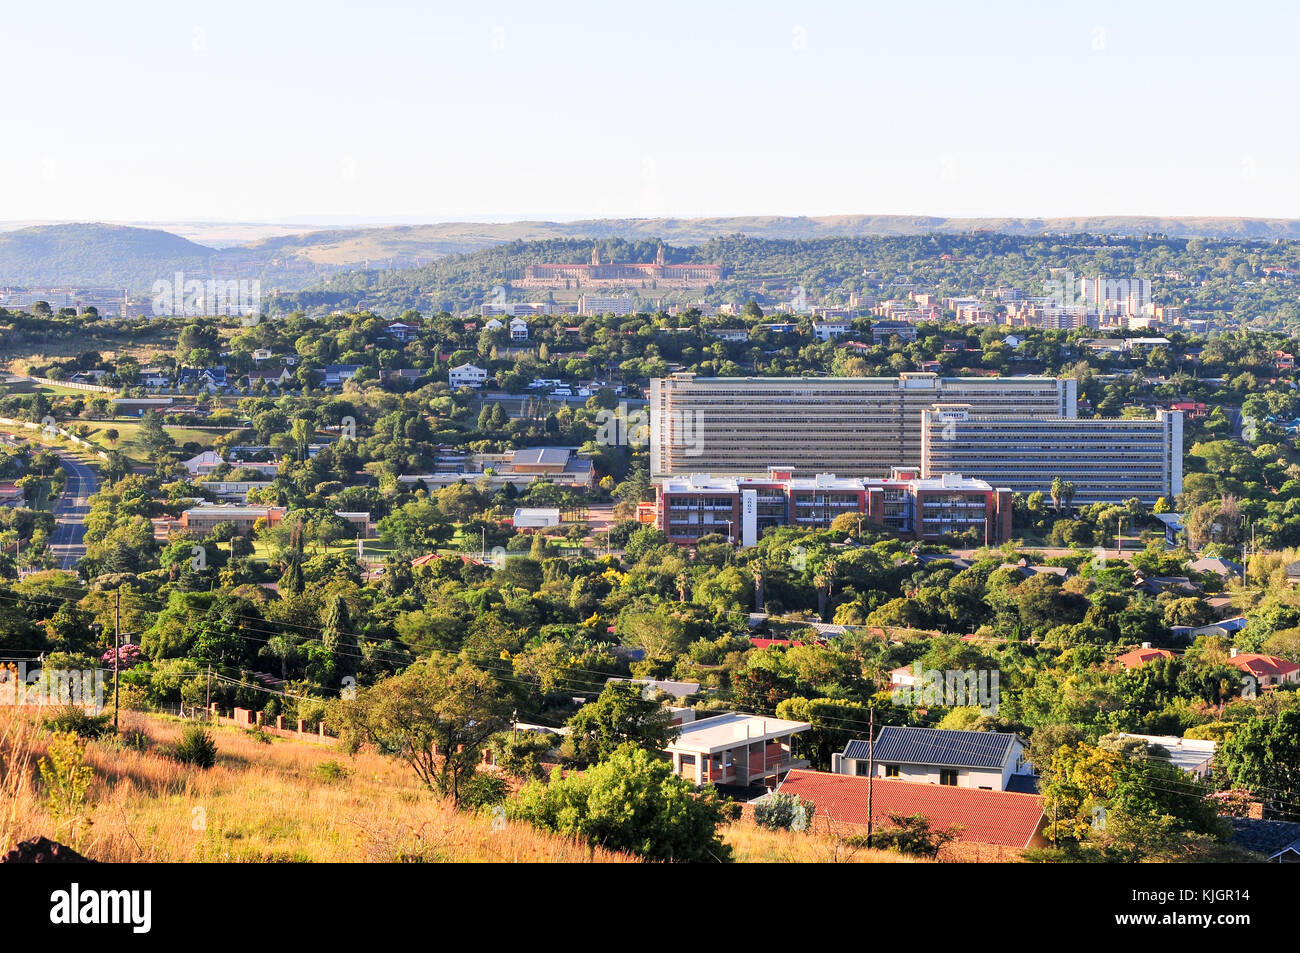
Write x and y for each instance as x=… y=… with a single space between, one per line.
x=518 y=329
x=1268 y=671
x=12 y=495
x=337 y=374
x=993 y=760
x=1006 y=820
x=1217 y=565
x=736 y=749
x=828 y=330
x=207 y=378
x=154 y=377
x=204 y=463
x=1278 y=841
x=270 y=378
x=401 y=331
x=1141 y=656
x=261 y=354
x=467 y=375
x=1193 y=755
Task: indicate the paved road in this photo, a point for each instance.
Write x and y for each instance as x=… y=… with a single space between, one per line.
x=70 y=511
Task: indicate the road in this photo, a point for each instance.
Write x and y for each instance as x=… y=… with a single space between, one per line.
x=70 y=511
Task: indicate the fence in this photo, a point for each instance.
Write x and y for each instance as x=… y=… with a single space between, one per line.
x=28 y=425
x=76 y=385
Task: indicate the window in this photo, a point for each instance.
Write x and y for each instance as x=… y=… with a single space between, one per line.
x=891 y=770
x=948 y=776
x=860 y=768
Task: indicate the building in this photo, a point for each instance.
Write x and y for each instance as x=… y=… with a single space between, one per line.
x=1006 y=820
x=337 y=374
x=1195 y=756
x=1141 y=656
x=559 y=465
x=743 y=508
x=736 y=749
x=1268 y=671
x=401 y=331
x=850 y=426
x=535 y=517
x=511 y=309
x=598 y=274
x=203 y=463
x=201 y=519
x=589 y=304
x=467 y=375
x=991 y=760
x=270 y=378
x=518 y=329
x=1109 y=460
x=11 y=494
x=830 y=329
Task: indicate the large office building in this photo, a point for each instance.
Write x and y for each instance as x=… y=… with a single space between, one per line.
x=1109 y=460
x=742 y=508
x=859 y=427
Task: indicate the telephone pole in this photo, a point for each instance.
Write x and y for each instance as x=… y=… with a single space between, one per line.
x=117 y=649
x=871 y=765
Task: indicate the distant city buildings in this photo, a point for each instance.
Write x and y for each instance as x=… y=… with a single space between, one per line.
x=598 y=274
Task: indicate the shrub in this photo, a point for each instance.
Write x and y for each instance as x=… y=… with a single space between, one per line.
x=330 y=772
x=483 y=790
x=257 y=734
x=73 y=719
x=784 y=812
x=67 y=780
x=196 y=747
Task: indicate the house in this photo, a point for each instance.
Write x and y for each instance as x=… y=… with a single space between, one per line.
x=136 y=406
x=337 y=374
x=1215 y=564
x=1004 y=819
x=270 y=378
x=828 y=330
x=1279 y=841
x=202 y=519
x=1223 y=628
x=154 y=377
x=535 y=517
x=12 y=495
x=1141 y=656
x=518 y=329
x=1293 y=573
x=493 y=325
x=650 y=686
x=1174 y=528
x=400 y=374
x=208 y=378
x=204 y=463
x=993 y=760
x=1193 y=755
x=261 y=354
x=401 y=331
x=1268 y=671
x=736 y=749
x=1154 y=585
x=467 y=375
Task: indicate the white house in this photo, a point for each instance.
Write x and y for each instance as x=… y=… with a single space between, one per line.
x=736 y=749
x=518 y=330
x=467 y=375
x=493 y=325
x=205 y=462
x=826 y=330
x=993 y=760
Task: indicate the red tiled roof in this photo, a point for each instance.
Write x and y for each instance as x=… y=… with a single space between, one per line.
x=987 y=817
x=764 y=643
x=1139 y=657
x=1260 y=665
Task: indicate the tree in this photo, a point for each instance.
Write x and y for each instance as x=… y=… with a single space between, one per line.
x=631 y=802
x=437 y=716
x=912 y=834
x=620 y=715
x=1263 y=756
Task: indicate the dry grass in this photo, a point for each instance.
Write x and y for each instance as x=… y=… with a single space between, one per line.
x=261 y=802
x=755 y=845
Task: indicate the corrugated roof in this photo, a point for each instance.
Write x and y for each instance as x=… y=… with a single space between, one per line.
x=958 y=749
x=985 y=817
x=538 y=456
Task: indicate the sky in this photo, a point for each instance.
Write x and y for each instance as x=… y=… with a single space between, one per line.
x=495 y=110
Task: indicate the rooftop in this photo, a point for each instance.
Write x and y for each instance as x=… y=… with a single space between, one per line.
x=964 y=749
x=727 y=731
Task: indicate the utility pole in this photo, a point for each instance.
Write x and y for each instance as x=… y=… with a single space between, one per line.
x=117 y=649
x=208 y=698
x=871 y=765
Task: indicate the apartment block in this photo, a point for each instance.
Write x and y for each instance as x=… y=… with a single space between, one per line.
x=860 y=427
x=904 y=503
x=1109 y=460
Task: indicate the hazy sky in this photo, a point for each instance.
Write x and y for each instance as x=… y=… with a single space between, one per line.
x=493 y=109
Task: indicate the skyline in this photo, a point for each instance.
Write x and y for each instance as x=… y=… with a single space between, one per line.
x=391 y=113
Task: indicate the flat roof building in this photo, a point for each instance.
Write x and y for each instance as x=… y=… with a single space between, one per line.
x=1109 y=460
x=851 y=426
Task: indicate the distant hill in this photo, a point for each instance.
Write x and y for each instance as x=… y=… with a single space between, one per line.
x=94 y=255
x=120 y=256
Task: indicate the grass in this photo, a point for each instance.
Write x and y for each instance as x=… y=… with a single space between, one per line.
x=752 y=844
x=260 y=803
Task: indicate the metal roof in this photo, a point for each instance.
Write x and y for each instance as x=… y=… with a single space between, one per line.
x=958 y=749
x=541 y=456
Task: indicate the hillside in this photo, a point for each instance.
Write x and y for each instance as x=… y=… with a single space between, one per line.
x=120 y=256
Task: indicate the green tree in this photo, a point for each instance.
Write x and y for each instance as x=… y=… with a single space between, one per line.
x=620 y=715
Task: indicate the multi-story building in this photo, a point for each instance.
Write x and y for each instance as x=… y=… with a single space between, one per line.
x=1108 y=460
x=851 y=426
x=742 y=508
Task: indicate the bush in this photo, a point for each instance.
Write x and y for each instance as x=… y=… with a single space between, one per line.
x=72 y=718
x=196 y=747
x=784 y=812
x=483 y=790
x=258 y=735
x=330 y=772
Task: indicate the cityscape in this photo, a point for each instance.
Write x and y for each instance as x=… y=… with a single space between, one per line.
x=471 y=465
